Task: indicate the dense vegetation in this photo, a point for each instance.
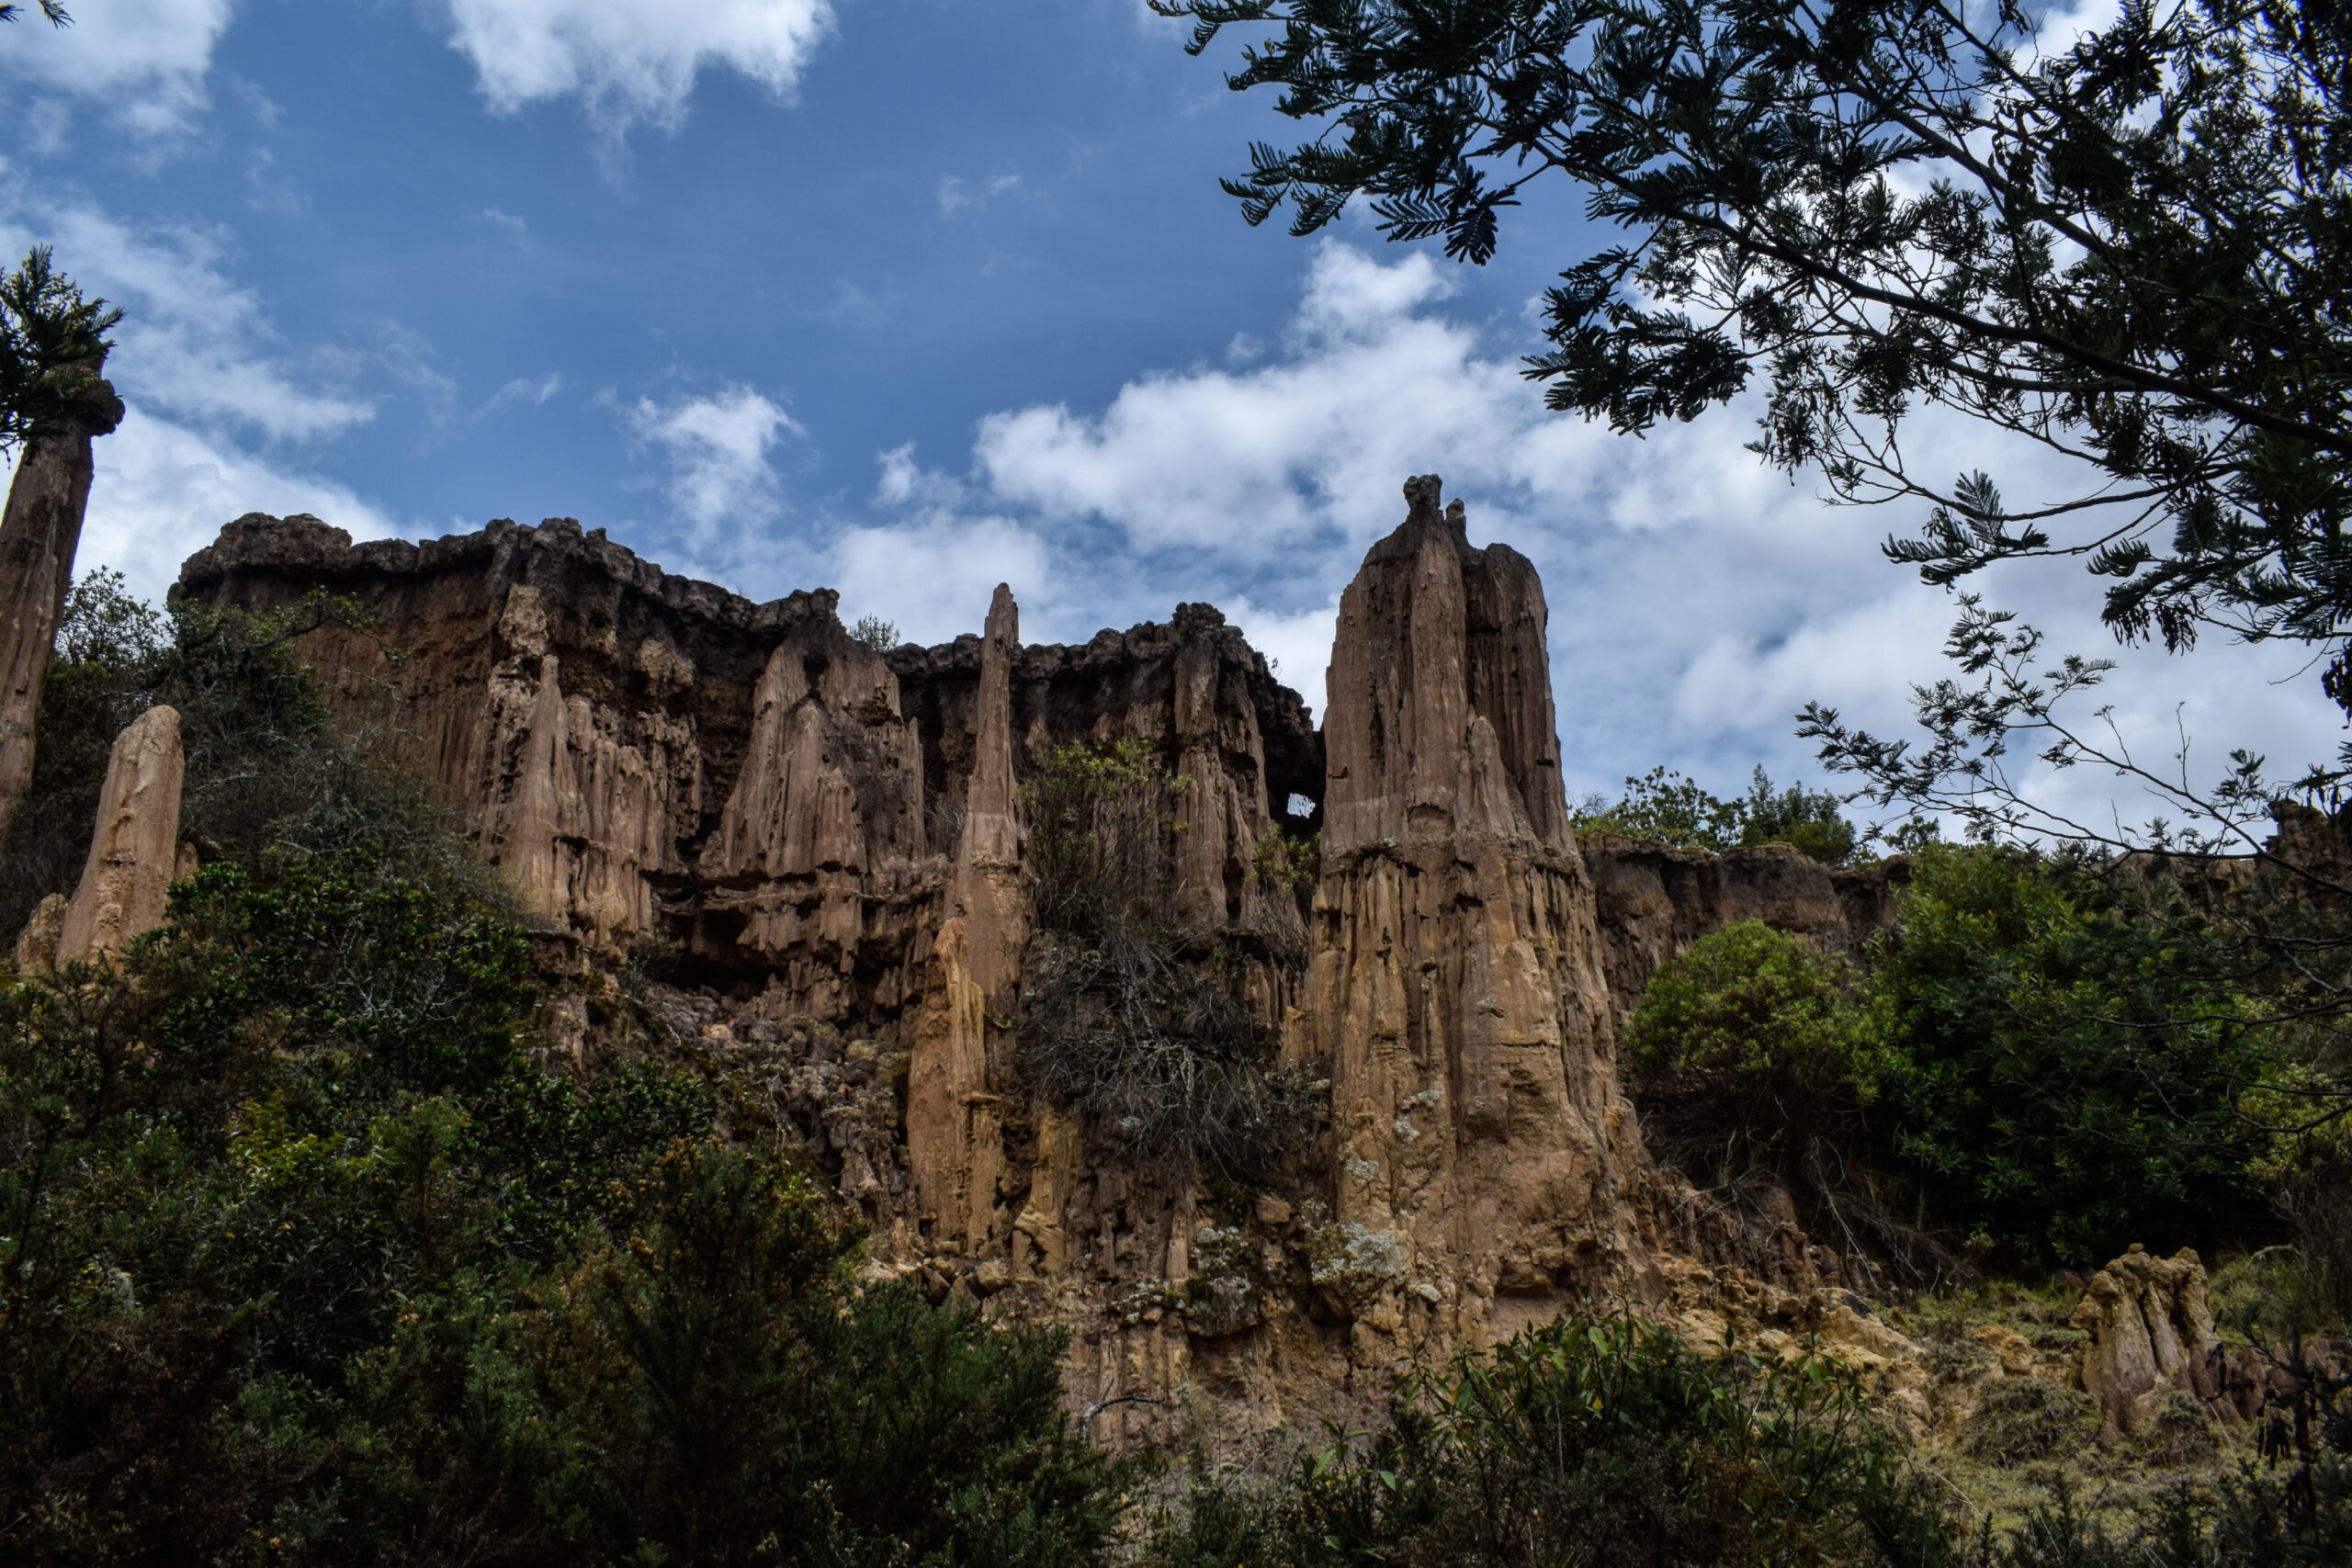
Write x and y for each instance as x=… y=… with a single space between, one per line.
x=2021 y=1065
x=304 y=1257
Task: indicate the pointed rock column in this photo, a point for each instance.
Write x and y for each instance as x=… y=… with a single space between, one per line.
x=961 y=1062
x=1455 y=992
x=126 y=885
x=38 y=534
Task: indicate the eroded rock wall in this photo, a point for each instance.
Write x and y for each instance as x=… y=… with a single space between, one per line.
x=824 y=844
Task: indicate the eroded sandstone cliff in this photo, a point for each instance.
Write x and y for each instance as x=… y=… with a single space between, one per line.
x=819 y=847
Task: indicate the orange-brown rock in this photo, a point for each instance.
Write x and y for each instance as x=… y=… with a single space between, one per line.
x=2150 y=1332
x=126 y=885
x=39 y=531
x=1486 y=1156
x=961 y=1072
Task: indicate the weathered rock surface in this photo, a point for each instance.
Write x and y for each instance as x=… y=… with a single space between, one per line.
x=134 y=852
x=650 y=756
x=2150 y=1333
x=821 y=846
x=36 y=949
x=1486 y=1156
x=961 y=1072
x=39 y=532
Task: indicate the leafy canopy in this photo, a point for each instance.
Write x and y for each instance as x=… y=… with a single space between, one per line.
x=2133 y=249
x=51 y=342
x=1665 y=807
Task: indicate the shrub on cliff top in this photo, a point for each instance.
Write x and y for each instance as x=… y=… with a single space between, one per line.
x=1663 y=806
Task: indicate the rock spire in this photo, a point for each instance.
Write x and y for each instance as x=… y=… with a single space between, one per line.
x=39 y=531
x=134 y=852
x=1485 y=1149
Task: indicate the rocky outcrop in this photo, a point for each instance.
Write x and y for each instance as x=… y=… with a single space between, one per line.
x=2149 y=1334
x=39 y=532
x=134 y=852
x=1653 y=901
x=1486 y=1155
x=652 y=758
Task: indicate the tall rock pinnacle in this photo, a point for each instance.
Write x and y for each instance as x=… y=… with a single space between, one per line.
x=1456 y=991
x=38 y=534
x=960 y=1065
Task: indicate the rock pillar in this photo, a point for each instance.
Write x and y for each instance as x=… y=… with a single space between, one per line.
x=961 y=1064
x=2148 y=1331
x=1455 y=995
x=134 y=852
x=38 y=534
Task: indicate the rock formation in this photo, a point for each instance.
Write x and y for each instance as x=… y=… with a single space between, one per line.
x=39 y=531
x=819 y=849
x=961 y=1070
x=134 y=852
x=2150 y=1333
x=1484 y=1152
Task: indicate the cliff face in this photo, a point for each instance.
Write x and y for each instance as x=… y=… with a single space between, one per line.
x=652 y=757
x=822 y=846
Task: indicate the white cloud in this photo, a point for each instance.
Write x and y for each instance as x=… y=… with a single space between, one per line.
x=144 y=59
x=718 y=448
x=533 y=391
x=193 y=344
x=1698 y=597
x=932 y=576
x=162 y=491
x=631 y=62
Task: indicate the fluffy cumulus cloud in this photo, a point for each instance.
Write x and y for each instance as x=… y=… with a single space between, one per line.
x=162 y=490
x=631 y=63
x=144 y=60
x=1698 y=598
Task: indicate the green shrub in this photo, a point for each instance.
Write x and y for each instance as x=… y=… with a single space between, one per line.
x=1663 y=806
x=1749 y=1053
x=1588 y=1442
x=2064 y=1079
x=302 y=1260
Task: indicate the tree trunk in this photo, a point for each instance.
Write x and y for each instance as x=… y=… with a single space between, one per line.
x=38 y=534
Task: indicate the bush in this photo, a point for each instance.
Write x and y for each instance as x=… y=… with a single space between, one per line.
x=1588 y=1442
x=1666 y=807
x=301 y=1259
x=2064 y=1079
x=1752 y=1054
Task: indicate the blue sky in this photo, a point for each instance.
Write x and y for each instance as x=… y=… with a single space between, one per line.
x=906 y=297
